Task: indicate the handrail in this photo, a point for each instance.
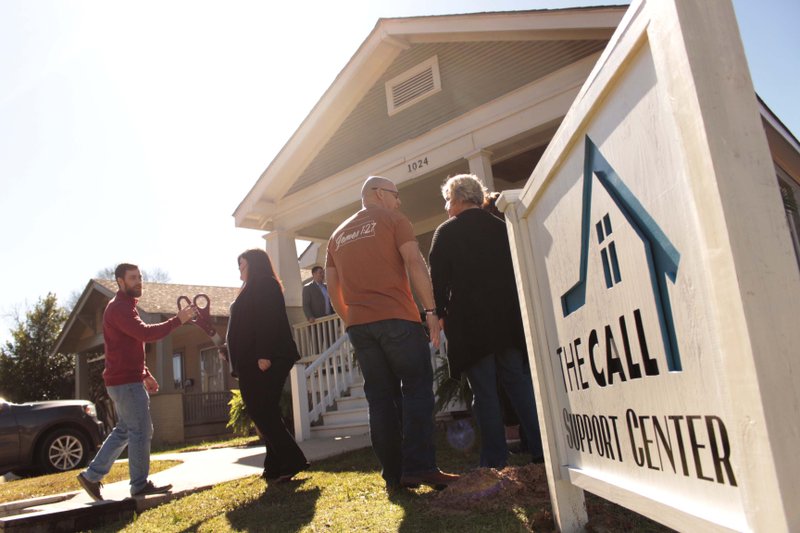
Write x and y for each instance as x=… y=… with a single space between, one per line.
x=318 y=379
x=313 y=338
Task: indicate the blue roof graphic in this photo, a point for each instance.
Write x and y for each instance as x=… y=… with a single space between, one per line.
x=662 y=256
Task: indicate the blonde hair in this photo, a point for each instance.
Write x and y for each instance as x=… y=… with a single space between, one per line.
x=466 y=188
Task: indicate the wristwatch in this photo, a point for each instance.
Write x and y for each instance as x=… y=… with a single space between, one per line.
x=430 y=311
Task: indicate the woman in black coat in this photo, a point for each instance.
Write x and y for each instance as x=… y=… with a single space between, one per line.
x=476 y=297
x=262 y=352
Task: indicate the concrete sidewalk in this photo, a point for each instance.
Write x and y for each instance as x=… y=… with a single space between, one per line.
x=75 y=511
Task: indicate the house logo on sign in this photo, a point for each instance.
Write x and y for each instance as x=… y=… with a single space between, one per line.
x=661 y=257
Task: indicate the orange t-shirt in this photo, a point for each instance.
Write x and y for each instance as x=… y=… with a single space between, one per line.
x=365 y=251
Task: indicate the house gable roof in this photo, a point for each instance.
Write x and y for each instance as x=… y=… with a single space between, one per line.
x=472 y=73
x=362 y=77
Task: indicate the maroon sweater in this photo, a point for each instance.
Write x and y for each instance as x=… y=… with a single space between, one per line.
x=125 y=335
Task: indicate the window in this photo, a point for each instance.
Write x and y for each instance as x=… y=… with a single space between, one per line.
x=177 y=369
x=413 y=85
x=212 y=378
x=790 y=191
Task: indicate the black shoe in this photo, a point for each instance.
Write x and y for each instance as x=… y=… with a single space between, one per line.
x=149 y=488
x=91 y=487
x=283 y=478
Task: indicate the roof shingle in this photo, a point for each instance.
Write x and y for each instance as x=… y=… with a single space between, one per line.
x=162 y=298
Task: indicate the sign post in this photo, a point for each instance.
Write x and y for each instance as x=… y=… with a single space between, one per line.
x=659 y=287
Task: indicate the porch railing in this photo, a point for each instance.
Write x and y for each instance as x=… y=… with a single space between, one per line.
x=313 y=338
x=206 y=407
x=325 y=372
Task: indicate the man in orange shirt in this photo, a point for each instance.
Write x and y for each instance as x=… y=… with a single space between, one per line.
x=371 y=256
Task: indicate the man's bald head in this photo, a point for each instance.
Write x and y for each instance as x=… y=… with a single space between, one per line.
x=378 y=190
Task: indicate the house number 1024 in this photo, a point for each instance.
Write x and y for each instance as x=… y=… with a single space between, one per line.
x=418 y=164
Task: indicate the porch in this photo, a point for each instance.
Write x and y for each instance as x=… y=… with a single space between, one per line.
x=327 y=387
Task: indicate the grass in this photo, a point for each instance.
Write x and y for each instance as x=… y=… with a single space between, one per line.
x=346 y=493
x=49 y=484
x=32 y=487
x=228 y=442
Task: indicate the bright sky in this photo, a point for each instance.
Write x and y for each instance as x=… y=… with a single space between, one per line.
x=131 y=131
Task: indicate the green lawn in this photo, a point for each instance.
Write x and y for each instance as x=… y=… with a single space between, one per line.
x=31 y=487
x=346 y=493
x=46 y=485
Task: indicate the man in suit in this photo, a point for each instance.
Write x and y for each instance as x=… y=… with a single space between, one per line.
x=316 y=302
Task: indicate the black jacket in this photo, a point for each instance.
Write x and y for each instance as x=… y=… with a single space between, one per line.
x=258 y=327
x=475 y=288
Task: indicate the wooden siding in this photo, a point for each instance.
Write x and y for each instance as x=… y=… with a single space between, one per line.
x=472 y=74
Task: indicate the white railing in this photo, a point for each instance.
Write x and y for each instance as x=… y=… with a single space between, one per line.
x=318 y=379
x=313 y=338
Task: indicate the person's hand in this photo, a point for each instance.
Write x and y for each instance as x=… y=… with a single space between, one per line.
x=264 y=364
x=433 y=327
x=222 y=351
x=312 y=320
x=150 y=384
x=187 y=313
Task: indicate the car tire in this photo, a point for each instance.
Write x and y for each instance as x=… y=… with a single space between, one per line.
x=63 y=449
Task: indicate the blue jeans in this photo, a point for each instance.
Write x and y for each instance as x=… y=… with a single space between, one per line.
x=395 y=361
x=134 y=429
x=515 y=376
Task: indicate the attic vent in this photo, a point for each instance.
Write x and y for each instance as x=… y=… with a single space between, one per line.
x=413 y=85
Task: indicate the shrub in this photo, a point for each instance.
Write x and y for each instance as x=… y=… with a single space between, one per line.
x=240 y=422
x=238 y=419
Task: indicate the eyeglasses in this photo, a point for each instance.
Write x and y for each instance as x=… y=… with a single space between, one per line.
x=395 y=193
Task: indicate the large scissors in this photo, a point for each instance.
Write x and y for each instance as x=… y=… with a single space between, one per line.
x=203 y=317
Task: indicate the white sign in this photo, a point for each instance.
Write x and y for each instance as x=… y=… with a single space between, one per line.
x=659 y=286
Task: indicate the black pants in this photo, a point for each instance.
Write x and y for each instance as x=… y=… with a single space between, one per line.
x=261 y=392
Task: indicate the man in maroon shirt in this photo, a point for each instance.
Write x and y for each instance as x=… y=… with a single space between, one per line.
x=129 y=384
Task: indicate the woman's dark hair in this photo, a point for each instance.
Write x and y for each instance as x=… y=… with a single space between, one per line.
x=258 y=265
x=490 y=205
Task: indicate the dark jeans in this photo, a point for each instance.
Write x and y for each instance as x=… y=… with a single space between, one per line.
x=398 y=381
x=513 y=372
x=261 y=392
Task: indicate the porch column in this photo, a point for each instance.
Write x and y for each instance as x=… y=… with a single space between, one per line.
x=163 y=371
x=81 y=376
x=283 y=254
x=480 y=164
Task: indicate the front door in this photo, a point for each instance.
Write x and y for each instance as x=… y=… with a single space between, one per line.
x=212 y=377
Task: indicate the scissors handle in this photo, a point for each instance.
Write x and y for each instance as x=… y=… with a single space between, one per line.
x=185 y=300
x=203 y=297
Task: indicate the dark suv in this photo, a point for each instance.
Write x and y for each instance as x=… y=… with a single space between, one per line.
x=51 y=436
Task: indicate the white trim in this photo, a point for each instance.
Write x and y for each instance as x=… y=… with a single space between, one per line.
x=774 y=121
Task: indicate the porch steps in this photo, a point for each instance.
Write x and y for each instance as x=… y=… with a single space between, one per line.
x=348 y=417
x=351 y=402
x=345 y=416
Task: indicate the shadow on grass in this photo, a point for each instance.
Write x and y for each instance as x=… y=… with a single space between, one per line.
x=419 y=508
x=294 y=502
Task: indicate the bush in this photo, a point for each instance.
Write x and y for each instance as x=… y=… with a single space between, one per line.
x=240 y=422
x=238 y=419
